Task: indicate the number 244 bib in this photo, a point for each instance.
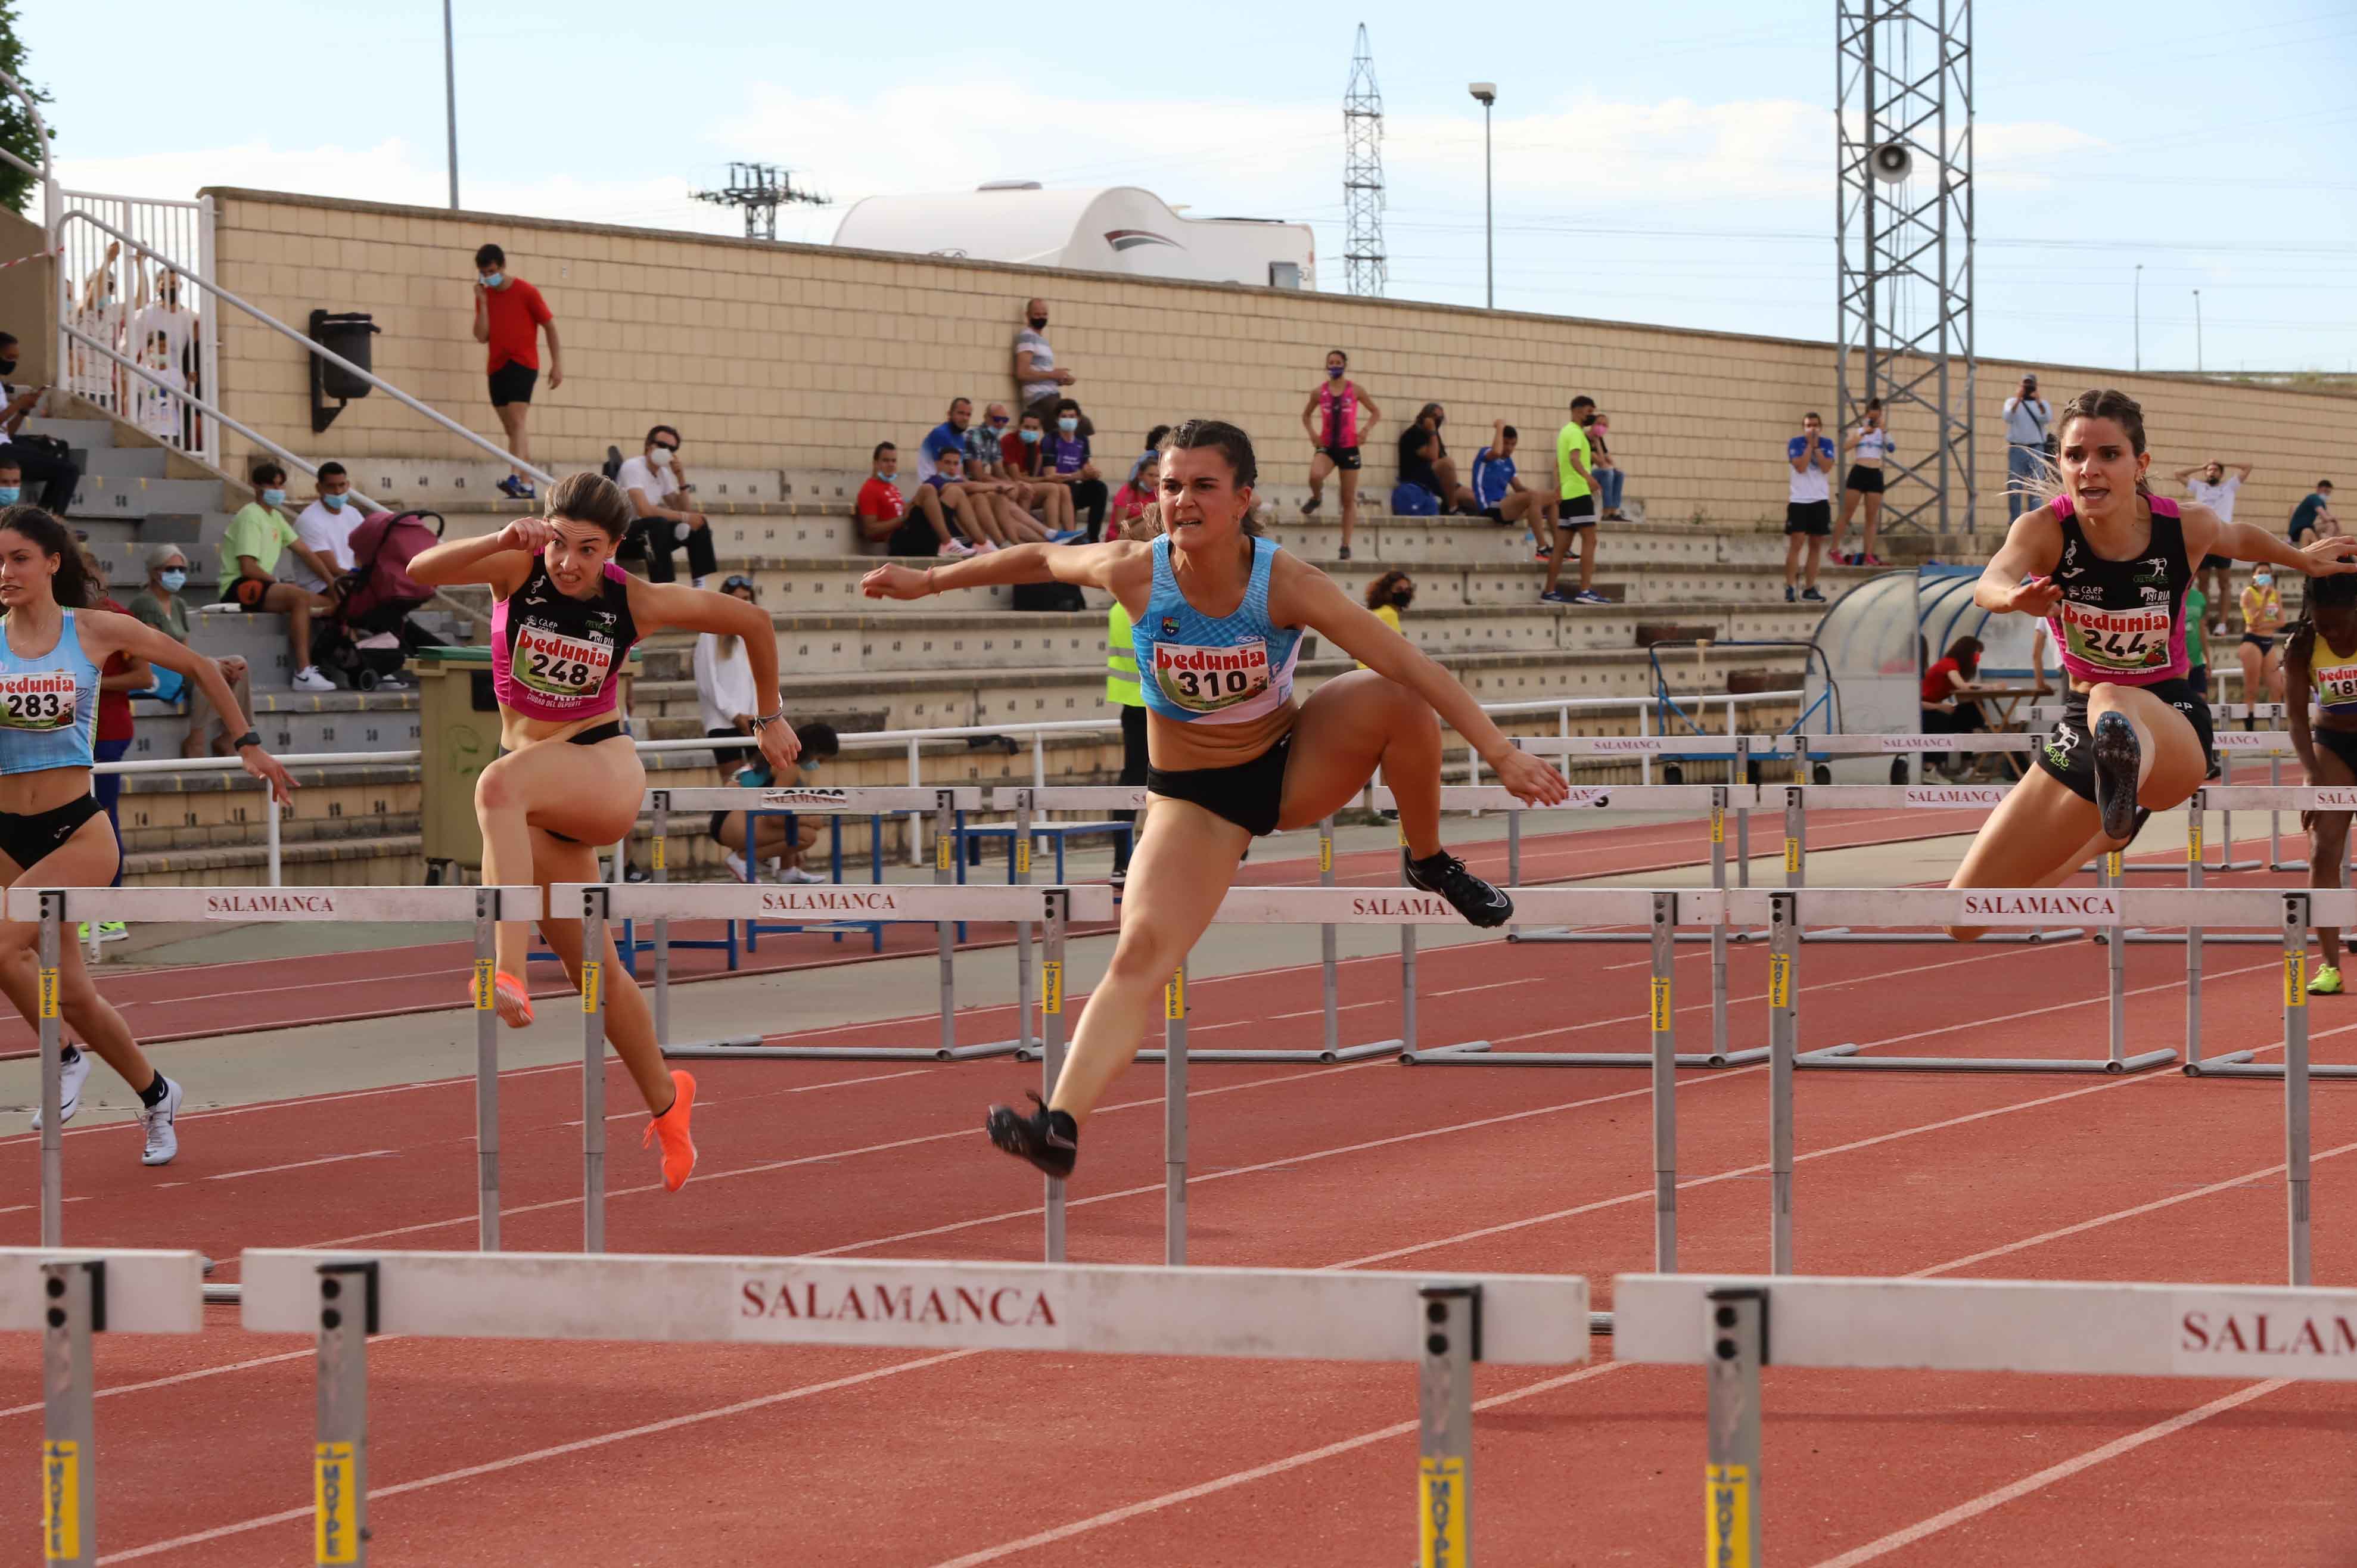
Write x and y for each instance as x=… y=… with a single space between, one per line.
x=2117 y=639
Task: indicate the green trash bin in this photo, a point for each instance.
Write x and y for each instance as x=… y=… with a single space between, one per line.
x=458 y=734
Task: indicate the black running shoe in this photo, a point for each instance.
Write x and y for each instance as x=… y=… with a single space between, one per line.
x=2117 y=764
x=1048 y=1139
x=1446 y=875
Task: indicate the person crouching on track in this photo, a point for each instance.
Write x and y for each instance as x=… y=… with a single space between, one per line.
x=52 y=832
x=1219 y=615
x=2108 y=563
x=2316 y=668
x=567 y=778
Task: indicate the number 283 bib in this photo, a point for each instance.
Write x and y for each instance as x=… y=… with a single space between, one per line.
x=37 y=700
x=2135 y=640
x=1207 y=680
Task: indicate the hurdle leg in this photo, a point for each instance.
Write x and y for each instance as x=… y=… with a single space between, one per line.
x=1325 y=940
x=1174 y=1118
x=53 y=1153
x=1738 y=1345
x=1022 y=856
x=593 y=1071
x=1719 y=927
x=662 y=922
x=74 y=1296
x=1449 y=1328
x=1742 y=769
x=1407 y=988
x=1665 y=1106
x=2193 y=808
x=944 y=847
x=348 y=1302
x=487 y=1071
x=1783 y=1027
x=2115 y=956
x=1513 y=861
x=1051 y=1046
x=2295 y=1097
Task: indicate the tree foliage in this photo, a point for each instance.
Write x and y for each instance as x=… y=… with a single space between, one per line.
x=17 y=188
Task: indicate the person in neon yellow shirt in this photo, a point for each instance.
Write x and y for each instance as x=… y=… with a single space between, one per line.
x=2316 y=670
x=1576 y=482
x=1121 y=682
x=1387 y=595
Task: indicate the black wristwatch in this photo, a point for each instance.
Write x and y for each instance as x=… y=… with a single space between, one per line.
x=251 y=738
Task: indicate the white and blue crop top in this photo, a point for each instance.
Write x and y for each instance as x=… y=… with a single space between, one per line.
x=49 y=703
x=1214 y=670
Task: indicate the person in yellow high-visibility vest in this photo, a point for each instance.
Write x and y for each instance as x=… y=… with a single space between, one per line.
x=1122 y=689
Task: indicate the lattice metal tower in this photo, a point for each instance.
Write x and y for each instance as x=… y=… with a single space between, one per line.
x=1904 y=216
x=760 y=189
x=1362 y=174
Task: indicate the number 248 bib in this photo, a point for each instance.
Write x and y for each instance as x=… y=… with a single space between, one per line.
x=2135 y=640
x=556 y=665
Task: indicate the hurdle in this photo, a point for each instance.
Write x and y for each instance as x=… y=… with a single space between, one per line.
x=943 y=805
x=1715 y=799
x=53 y=908
x=1733 y=1325
x=1443 y=1324
x=69 y=1298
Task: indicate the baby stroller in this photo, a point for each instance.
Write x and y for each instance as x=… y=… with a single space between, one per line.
x=368 y=636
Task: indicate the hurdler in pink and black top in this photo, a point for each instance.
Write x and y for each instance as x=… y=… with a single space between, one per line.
x=556 y=658
x=2121 y=622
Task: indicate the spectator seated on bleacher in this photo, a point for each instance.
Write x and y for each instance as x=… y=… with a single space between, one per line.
x=1425 y=462
x=1046 y=500
x=1062 y=460
x=159 y=604
x=987 y=469
x=325 y=525
x=885 y=517
x=989 y=520
x=1502 y=494
x=820 y=744
x=661 y=500
x=250 y=553
x=43 y=460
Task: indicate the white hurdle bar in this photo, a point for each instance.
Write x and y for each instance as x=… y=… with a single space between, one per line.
x=940 y=804
x=1443 y=1324
x=602 y=902
x=68 y=1297
x=54 y=908
x=1733 y=1325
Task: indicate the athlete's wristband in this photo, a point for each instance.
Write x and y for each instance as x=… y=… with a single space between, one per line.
x=251 y=738
x=765 y=719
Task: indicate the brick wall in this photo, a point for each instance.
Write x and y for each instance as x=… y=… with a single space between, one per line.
x=800 y=358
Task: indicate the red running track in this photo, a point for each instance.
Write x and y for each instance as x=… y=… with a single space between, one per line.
x=515 y=1454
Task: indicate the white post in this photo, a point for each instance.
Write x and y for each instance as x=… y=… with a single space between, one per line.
x=270 y=813
x=208 y=337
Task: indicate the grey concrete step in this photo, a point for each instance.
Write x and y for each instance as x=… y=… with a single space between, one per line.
x=91 y=434
x=296 y=721
x=105 y=496
x=112 y=463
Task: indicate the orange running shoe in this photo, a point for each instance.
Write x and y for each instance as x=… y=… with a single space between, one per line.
x=510 y=1000
x=678 y=1147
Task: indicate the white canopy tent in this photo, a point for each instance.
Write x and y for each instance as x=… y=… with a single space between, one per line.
x=1116 y=229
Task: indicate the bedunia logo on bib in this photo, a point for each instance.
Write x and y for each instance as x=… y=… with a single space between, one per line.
x=1206 y=680
x=2338 y=683
x=559 y=666
x=2117 y=639
x=37 y=700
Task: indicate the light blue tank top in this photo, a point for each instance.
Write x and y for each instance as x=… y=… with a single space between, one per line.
x=1215 y=670
x=48 y=704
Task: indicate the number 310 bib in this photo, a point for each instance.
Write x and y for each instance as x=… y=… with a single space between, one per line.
x=1207 y=680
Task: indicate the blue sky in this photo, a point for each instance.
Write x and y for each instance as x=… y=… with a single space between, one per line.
x=1667 y=162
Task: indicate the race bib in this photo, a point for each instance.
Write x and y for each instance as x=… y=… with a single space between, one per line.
x=2134 y=640
x=557 y=665
x=2336 y=684
x=37 y=700
x=1206 y=680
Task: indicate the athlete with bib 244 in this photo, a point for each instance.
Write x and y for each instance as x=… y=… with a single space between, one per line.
x=2108 y=563
x=1218 y=615
x=567 y=778
x=52 y=832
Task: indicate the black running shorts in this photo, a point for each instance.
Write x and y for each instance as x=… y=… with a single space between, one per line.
x=2069 y=758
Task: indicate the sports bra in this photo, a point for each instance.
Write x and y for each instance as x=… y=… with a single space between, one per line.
x=1216 y=670
x=49 y=703
x=2122 y=621
x=553 y=657
x=1338 y=414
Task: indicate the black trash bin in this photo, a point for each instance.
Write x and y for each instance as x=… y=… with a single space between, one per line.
x=345 y=333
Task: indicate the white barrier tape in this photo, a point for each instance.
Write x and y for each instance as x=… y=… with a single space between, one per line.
x=1652 y=745
x=2210 y=907
x=1587 y=798
x=1878 y=745
x=1072 y=798
x=1836 y=797
x=146 y=1291
x=2278 y=798
x=2003 y=1326
x=1406 y=906
x=455 y=904
x=2268 y=742
x=859 y=801
x=820 y=902
x=1526 y=1320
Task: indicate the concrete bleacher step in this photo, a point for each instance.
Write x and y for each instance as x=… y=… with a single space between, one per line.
x=447 y=485
x=105 y=495
x=82 y=434
x=297 y=722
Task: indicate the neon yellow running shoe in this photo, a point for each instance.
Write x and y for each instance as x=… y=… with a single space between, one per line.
x=2325 y=982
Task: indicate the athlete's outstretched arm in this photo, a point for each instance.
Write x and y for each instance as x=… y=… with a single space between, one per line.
x=1089 y=565
x=2206 y=534
x=2019 y=576
x=658 y=607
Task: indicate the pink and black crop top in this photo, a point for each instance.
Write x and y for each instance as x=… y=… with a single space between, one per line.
x=554 y=657
x=2122 y=621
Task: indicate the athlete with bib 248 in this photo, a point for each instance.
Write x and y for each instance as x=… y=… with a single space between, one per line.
x=1218 y=615
x=567 y=778
x=2108 y=563
x=52 y=832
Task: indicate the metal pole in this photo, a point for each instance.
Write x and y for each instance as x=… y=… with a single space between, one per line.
x=2296 y=1102
x=340 y=1460
x=487 y=1071
x=1742 y=769
x=1665 y=1072
x=1052 y=1044
x=270 y=831
x=75 y=1294
x=662 y=922
x=1408 y=1036
x=1174 y=1118
x=2197 y=331
x=1796 y=839
x=592 y=1069
x=1719 y=927
x=53 y=1153
x=1784 y=946
x=1738 y=1347
x=1488 y=217
x=1514 y=860
x=2193 y=809
x=2110 y=874
x=2140 y=315
x=1449 y=1326
x=450 y=96
x=944 y=846
x=1326 y=955
x=1022 y=857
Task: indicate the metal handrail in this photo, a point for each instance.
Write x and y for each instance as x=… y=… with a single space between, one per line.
x=309 y=345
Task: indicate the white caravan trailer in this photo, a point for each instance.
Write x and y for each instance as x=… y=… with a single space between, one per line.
x=1119 y=228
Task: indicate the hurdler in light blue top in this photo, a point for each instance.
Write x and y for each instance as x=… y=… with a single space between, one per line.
x=1219 y=670
x=48 y=703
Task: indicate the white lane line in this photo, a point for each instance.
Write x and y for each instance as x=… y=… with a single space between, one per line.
x=2052 y=1474
x=301 y=1165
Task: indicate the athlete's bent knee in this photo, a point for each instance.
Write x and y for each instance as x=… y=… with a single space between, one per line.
x=495 y=788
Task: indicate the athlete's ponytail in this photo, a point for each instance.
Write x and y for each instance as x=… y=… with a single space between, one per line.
x=72 y=585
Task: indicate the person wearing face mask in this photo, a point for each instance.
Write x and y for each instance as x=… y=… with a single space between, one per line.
x=325 y=525
x=1025 y=452
x=1063 y=463
x=1387 y=595
x=659 y=496
x=2263 y=620
x=1037 y=377
x=46 y=466
x=510 y=315
x=160 y=603
x=1339 y=416
x=885 y=517
x=250 y=551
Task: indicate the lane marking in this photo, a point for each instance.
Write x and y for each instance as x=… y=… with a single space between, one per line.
x=301 y=1165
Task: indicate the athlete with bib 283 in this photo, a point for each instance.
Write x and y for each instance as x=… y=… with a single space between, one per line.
x=1218 y=615
x=52 y=832
x=567 y=779
x=2108 y=563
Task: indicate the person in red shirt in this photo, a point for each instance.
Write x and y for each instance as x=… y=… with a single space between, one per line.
x=510 y=315
x=884 y=517
x=1948 y=705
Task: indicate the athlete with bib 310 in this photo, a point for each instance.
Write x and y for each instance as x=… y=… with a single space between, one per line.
x=1218 y=615
x=52 y=832
x=2107 y=562
x=567 y=779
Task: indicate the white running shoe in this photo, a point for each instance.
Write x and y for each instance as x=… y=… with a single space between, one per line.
x=163 y=1140
x=801 y=874
x=736 y=863
x=73 y=1071
x=309 y=679
x=958 y=549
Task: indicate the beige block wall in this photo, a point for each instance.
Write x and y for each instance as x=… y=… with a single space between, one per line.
x=800 y=358
x=28 y=300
